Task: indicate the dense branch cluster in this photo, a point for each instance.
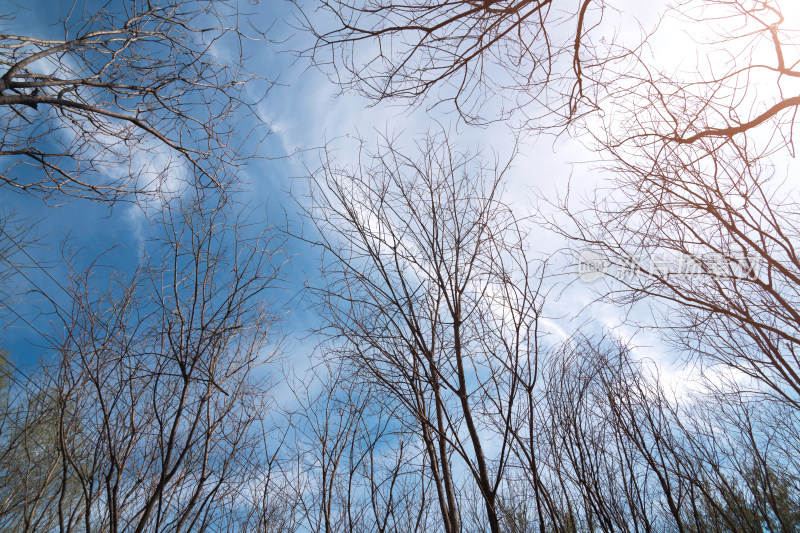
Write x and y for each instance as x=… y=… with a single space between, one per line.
x=528 y=53
x=435 y=312
x=446 y=391
x=123 y=102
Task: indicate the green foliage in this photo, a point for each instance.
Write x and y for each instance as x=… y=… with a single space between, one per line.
x=762 y=500
x=31 y=465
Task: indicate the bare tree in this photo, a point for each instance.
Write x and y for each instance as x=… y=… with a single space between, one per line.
x=713 y=240
x=698 y=214
x=434 y=300
x=693 y=186
x=555 y=63
x=698 y=227
x=361 y=470
x=29 y=470
x=156 y=402
x=631 y=455
x=134 y=98
x=536 y=55
x=743 y=78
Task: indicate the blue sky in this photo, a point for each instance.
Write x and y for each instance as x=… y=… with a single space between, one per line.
x=304 y=111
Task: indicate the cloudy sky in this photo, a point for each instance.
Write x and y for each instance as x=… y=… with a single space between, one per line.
x=306 y=111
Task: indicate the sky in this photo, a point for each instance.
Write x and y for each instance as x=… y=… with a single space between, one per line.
x=305 y=111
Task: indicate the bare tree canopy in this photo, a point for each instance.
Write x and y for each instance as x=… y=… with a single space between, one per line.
x=713 y=239
x=460 y=379
x=698 y=179
x=437 y=369
x=152 y=414
x=434 y=301
x=745 y=76
x=127 y=98
x=534 y=54
x=556 y=62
